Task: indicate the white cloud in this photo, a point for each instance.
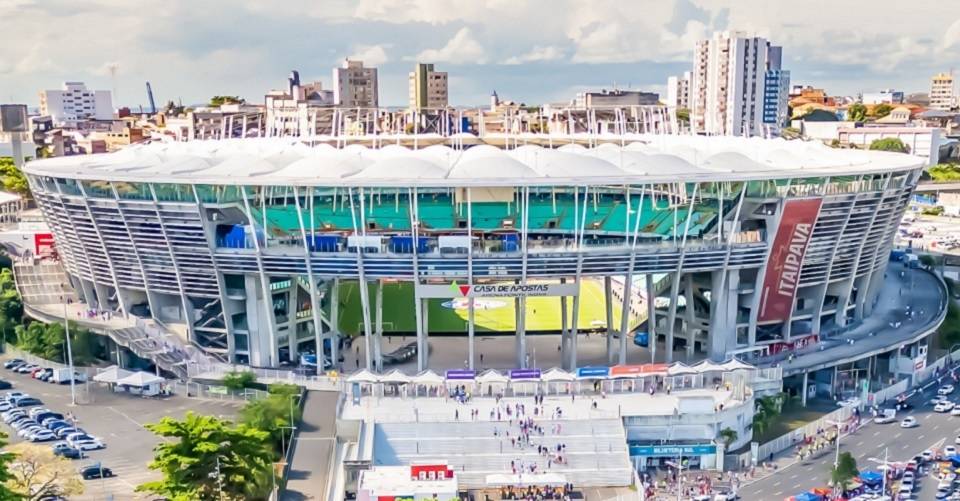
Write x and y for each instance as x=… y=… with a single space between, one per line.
x=537 y=54
x=371 y=55
x=461 y=49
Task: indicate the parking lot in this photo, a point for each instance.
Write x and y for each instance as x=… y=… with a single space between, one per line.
x=117 y=419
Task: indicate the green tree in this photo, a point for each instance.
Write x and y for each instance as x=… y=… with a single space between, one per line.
x=844 y=471
x=767 y=410
x=6 y=458
x=928 y=261
x=222 y=100
x=12 y=178
x=856 y=112
x=37 y=473
x=683 y=115
x=728 y=436
x=893 y=144
x=202 y=456
x=944 y=172
x=882 y=110
x=11 y=306
x=238 y=380
x=272 y=414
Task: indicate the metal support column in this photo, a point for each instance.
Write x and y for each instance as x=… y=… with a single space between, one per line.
x=803 y=390
x=608 y=305
x=651 y=317
x=378 y=338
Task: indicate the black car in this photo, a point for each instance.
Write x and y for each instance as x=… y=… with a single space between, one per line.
x=10 y=364
x=69 y=453
x=28 y=402
x=95 y=471
x=904 y=406
x=5 y=385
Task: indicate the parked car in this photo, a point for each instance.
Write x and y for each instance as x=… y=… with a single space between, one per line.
x=28 y=402
x=42 y=435
x=63 y=432
x=909 y=422
x=42 y=374
x=68 y=452
x=13 y=362
x=5 y=385
x=945 y=389
x=88 y=445
x=26 y=368
x=945 y=406
x=95 y=471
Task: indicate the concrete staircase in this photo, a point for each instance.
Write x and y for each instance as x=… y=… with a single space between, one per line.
x=596 y=452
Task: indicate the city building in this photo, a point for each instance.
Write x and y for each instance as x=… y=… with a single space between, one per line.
x=355 y=86
x=415 y=482
x=257 y=248
x=223 y=122
x=776 y=92
x=800 y=95
x=727 y=91
x=614 y=99
x=74 y=103
x=942 y=92
x=678 y=91
x=428 y=88
x=886 y=96
x=923 y=142
x=302 y=109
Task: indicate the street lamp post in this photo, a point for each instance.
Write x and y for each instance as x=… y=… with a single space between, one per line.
x=836 y=460
x=885 y=466
x=66 y=328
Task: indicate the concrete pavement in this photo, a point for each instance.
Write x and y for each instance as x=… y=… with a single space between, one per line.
x=313 y=448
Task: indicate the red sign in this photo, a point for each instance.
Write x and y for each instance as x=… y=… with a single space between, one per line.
x=430 y=472
x=42 y=243
x=632 y=370
x=786 y=256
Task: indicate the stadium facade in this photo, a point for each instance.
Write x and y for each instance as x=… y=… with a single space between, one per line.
x=746 y=245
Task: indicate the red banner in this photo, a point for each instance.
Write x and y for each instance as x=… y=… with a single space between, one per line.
x=786 y=256
x=42 y=244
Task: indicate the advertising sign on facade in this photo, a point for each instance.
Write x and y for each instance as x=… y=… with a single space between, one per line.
x=457 y=290
x=672 y=450
x=461 y=374
x=786 y=257
x=525 y=374
x=593 y=372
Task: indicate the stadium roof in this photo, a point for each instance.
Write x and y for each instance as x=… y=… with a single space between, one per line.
x=640 y=159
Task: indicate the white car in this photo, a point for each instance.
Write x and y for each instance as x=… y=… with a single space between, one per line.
x=927 y=455
x=945 y=406
x=850 y=402
x=949 y=450
x=957 y=440
x=909 y=422
x=89 y=445
x=945 y=389
x=955 y=412
x=888 y=416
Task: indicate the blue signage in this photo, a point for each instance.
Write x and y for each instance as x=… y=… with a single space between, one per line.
x=524 y=373
x=593 y=372
x=672 y=450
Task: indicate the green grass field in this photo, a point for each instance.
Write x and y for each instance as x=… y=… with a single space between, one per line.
x=543 y=313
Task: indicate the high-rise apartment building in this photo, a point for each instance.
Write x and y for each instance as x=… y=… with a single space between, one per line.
x=678 y=91
x=74 y=102
x=728 y=88
x=776 y=100
x=354 y=85
x=941 y=92
x=428 y=88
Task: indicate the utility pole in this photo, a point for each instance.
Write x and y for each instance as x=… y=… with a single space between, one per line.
x=66 y=328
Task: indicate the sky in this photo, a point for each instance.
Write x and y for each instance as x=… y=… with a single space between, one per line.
x=533 y=51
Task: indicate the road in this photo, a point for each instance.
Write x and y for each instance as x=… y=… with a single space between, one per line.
x=314 y=448
x=871 y=441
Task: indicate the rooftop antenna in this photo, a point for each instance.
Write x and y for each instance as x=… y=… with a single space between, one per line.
x=112 y=68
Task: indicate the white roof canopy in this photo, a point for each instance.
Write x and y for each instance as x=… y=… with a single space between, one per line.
x=643 y=159
x=363 y=376
x=141 y=379
x=492 y=376
x=556 y=374
x=111 y=374
x=428 y=377
x=395 y=376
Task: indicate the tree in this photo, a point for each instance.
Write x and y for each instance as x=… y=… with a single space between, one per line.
x=767 y=409
x=928 y=261
x=844 y=471
x=729 y=436
x=12 y=178
x=238 y=380
x=882 y=110
x=889 y=144
x=222 y=100
x=683 y=115
x=272 y=414
x=944 y=172
x=204 y=456
x=856 y=112
x=37 y=473
x=6 y=458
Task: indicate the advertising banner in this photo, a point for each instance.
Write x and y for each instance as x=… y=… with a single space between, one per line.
x=786 y=257
x=457 y=290
x=461 y=374
x=672 y=450
x=593 y=372
x=525 y=374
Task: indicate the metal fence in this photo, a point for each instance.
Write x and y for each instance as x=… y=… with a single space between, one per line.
x=791 y=438
x=213 y=392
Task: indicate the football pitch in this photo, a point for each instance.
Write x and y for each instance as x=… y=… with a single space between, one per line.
x=446 y=316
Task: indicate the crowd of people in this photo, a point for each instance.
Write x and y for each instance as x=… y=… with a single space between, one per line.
x=537 y=493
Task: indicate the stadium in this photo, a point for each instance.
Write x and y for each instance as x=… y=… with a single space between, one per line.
x=700 y=247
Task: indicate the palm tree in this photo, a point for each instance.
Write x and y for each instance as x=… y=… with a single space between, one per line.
x=729 y=436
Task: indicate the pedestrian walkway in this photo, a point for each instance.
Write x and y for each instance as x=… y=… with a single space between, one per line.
x=313 y=448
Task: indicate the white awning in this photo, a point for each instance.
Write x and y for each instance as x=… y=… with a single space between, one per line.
x=708 y=366
x=141 y=379
x=556 y=374
x=735 y=364
x=427 y=377
x=679 y=369
x=111 y=374
x=395 y=376
x=491 y=376
x=503 y=479
x=363 y=376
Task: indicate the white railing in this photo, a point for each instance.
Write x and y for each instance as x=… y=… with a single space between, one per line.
x=793 y=437
x=879 y=397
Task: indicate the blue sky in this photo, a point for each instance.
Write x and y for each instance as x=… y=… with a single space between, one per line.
x=534 y=52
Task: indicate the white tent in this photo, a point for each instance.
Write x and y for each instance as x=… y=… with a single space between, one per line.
x=708 y=366
x=111 y=374
x=679 y=369
x=735 y=364
x=556 y=374
x=492 y=376
x=395 y=376
x=363 y=376
x=427 y=377
x=141 y=379
x=504 y=479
